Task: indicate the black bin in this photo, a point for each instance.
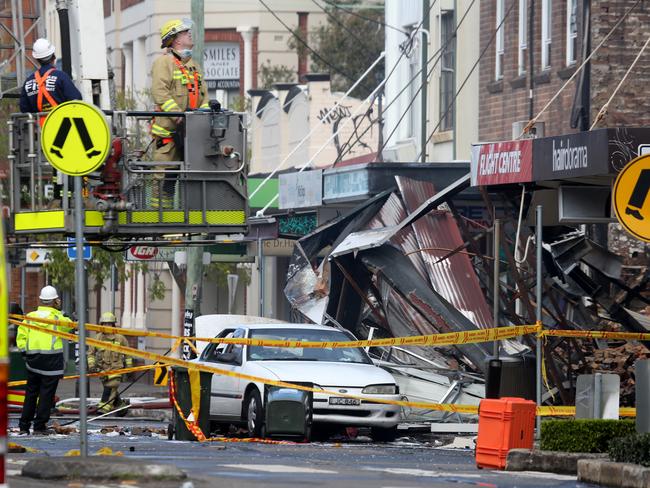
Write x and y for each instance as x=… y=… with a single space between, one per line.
x=288 y=412
x=511 y=376
x=184 y=399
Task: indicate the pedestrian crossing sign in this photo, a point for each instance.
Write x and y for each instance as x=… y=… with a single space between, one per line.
x=631 y=197
x=75 y=138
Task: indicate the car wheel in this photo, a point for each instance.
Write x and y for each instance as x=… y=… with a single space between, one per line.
x=254 y=413
x=383 y=434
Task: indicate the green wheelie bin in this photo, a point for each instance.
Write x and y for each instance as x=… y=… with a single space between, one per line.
x=177 y=429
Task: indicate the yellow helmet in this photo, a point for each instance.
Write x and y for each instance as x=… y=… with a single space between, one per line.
x=171 y=28
x=107 y=318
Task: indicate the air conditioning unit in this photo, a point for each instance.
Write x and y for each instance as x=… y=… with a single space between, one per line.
x=535 y=132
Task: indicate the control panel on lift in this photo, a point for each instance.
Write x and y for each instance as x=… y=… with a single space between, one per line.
x=132 y=194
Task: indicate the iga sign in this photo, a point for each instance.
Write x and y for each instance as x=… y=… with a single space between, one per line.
x=221 y=64
x=501 y=163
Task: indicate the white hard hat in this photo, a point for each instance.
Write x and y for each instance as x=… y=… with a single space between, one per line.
x=42 y=49
x=48 y=293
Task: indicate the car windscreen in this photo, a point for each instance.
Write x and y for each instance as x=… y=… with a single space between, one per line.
x=338 y=355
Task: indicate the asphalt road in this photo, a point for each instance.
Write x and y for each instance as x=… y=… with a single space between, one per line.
x=243 y=465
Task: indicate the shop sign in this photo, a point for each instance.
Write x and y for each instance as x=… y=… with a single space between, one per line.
x=221 y=64
x=502 y=163
x=300 y=190
x=571 y=156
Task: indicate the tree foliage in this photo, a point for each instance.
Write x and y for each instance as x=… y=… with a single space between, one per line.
x=271 y=74
x=351 y=44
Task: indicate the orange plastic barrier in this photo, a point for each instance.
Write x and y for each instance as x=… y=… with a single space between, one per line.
x=503 y=424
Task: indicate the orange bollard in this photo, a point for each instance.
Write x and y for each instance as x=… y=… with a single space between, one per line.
x=503 y=424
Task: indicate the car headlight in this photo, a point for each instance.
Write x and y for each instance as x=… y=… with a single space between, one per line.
x=380 y=390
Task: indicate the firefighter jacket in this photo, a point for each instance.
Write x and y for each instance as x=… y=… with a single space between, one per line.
x=106 y=360
x=45 y=89
x=43 y=351
x=177 y=86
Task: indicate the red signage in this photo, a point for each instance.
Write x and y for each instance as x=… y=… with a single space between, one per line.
x=501 y=163
x=143 y=253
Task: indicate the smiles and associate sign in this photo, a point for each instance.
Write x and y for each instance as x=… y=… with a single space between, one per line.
x=75 y=138
x=630 y=197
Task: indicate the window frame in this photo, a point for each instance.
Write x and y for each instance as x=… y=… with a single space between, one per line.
x=547 y=34
x=571 y=36
x=447 y=71
x=523 y=37
x=499 y=45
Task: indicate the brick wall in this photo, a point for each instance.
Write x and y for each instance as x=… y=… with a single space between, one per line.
x=631 y=106
x=35 y=281
x=506 y=101
x=231 y=35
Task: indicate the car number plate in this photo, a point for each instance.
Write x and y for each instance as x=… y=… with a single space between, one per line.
x=344 y=401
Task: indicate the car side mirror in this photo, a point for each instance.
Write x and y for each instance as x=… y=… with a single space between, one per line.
x=227 y=357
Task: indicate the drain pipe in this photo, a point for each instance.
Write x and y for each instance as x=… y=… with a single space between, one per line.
x=64 y=24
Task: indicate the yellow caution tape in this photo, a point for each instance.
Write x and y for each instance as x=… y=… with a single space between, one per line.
x=470 y=409
x=102 y=373
x=570 y=411
x=597 y=334
x=445 y=339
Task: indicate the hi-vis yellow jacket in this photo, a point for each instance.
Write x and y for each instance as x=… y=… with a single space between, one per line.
x=44 y=351
x=174 y=84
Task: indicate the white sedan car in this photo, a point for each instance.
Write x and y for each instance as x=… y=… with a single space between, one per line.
x=344 y=370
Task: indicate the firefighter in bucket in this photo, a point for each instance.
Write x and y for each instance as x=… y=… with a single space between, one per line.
x=101 y=360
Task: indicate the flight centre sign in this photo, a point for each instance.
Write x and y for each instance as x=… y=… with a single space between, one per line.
x=221 y=65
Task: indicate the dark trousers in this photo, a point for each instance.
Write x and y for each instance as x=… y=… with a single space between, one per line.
x=39 y=400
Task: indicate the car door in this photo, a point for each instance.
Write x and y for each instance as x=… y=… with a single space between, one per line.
x=225 y=399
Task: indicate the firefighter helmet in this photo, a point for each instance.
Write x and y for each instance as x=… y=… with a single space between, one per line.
x=108 y=318
x=171 y=28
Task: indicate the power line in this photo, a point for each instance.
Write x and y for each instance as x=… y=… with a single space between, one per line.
x=361 y=42
x=304 y=43
x=441 y=52
x=437 y=54
x=347 y=146
x=369 y=19
x=453 y=101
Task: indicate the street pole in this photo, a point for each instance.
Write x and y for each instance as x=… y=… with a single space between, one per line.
x=423 y=94
x=113 y=280
x=81 y=312
x=538 y=316
x=260 y=269
x=495 y=285
x=194 y=253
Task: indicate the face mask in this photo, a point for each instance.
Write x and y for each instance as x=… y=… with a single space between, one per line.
x=185 y=53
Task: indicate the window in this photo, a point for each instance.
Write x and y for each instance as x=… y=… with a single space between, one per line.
x=571 y=31
x=414 y=68
x=523 y=35
x=547 y=29
x=448 y=63
x=501 y=41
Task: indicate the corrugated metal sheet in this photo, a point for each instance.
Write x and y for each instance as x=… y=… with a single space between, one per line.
x=391 y=214
x=437 y=234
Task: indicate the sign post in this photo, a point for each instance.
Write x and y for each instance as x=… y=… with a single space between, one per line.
x=77 y=155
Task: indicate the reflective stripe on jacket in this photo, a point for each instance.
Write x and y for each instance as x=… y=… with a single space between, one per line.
x=36 y=342
x=169 y=90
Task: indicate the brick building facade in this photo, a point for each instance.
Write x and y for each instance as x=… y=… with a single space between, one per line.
x=505 y=99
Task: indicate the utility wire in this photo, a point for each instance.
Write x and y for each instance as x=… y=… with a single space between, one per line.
x=579 y=69
x=453 y=101
x=603 y=110
x=416 y=76
x=347 y=146
x=440 y=53
x=369 y=19
x=304 y=43
x=361 y=43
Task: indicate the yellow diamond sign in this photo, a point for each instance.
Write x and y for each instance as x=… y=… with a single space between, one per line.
x=75 y=138
x=630 y=197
